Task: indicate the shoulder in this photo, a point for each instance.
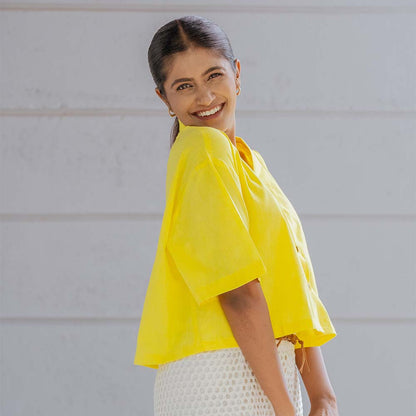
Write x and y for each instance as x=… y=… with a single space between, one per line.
x=195 y=145
x=205 y=139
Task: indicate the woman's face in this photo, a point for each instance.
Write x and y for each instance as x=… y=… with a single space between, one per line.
x=193 y=85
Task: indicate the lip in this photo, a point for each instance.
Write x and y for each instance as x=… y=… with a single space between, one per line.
x=212 y=115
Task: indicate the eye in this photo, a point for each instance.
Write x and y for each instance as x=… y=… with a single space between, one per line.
x=216 y=73
x=179 y=88
x=182 y=85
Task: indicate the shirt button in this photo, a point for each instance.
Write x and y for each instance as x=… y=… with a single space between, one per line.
x=297 y=248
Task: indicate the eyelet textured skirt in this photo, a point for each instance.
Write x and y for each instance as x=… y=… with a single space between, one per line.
x=220 y=383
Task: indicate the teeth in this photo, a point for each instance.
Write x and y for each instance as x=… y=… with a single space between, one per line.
x=208 y=113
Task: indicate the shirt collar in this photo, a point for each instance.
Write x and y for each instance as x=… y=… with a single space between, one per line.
x=181 y=126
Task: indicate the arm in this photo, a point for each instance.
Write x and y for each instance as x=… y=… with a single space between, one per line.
x=320 y=392
x=247 y=313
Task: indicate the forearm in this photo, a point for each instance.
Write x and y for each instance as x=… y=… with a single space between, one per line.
x=249 y=319
x=316 y=380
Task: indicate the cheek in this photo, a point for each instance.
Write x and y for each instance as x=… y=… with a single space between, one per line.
x=182 y=104
x=232 y=95
x=231 y=89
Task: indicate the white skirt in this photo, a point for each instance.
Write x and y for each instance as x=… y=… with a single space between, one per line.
x=220 y=383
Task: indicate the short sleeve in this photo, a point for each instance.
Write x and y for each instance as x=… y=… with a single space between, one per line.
x=209 y=238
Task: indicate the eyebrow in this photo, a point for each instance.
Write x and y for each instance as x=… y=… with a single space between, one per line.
x=190 y=79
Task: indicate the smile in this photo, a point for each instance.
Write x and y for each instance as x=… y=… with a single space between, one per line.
x=210 y=113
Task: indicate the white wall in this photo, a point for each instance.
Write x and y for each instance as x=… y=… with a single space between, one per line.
x=328 y=98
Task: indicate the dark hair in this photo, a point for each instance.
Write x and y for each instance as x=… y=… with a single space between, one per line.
x=180 y=35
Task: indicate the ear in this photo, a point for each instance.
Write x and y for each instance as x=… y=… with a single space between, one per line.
x=162 y=97
x=237 y=74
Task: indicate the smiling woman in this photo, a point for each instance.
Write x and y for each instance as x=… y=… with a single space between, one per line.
x=232 y=300
x=197 y=74
x=207 y=97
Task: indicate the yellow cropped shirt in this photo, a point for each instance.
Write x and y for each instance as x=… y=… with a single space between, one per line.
x=226 y=223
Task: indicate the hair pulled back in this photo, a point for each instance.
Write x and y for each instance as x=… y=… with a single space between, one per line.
x=180 y=35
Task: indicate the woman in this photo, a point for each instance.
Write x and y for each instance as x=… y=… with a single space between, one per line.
x=232 y=308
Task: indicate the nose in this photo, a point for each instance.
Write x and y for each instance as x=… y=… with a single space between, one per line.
x=204 y=96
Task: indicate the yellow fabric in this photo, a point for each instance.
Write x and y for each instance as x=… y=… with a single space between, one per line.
x=226 y=223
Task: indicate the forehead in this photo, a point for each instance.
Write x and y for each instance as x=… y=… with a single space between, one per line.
x=193 y=62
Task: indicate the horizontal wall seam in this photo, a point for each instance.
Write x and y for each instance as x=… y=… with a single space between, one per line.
x=117 y=216
x=135 y=319
x=208 y=7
